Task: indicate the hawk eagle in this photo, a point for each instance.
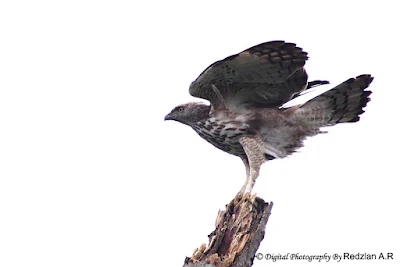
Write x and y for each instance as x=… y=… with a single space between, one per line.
x=246 y=92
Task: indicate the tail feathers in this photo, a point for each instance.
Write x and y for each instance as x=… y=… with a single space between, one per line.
x=316 y=83
x=343 y=103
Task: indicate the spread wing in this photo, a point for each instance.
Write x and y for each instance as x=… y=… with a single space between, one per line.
x=265 y=75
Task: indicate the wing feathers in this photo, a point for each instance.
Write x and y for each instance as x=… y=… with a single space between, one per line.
x=266 y=75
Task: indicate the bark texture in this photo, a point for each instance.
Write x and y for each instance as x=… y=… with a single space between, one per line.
x=238 y=233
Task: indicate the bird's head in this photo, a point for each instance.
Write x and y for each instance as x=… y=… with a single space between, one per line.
x=189 y=113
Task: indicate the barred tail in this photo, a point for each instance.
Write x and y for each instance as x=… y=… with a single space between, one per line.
x=343 y=103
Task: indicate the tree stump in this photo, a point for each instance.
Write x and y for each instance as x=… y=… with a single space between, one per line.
x=238 y=233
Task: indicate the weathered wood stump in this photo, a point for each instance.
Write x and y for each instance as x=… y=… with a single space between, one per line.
x=238 y=233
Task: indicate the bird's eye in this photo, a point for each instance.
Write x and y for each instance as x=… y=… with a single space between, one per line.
x=180 y=109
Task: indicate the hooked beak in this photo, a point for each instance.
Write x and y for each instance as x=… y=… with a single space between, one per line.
x=168 y=117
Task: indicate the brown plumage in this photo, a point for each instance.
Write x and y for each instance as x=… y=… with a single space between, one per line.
x=246 y=92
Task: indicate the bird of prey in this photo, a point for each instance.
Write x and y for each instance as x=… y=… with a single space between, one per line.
x=246 y=92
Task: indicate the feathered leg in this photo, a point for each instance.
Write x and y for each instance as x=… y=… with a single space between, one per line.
x=254 y=148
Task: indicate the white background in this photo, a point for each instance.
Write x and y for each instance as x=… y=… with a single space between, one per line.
x=91 y=175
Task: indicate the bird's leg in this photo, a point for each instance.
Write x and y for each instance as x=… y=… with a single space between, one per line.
x=254 y=148
x=247 y=166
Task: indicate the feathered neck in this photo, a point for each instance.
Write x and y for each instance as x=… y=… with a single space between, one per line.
x=202 y=112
